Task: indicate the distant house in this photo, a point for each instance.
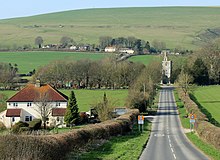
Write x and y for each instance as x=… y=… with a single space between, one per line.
x=110 y=49
x=73 y=47
x=126 y=50
x=24 y=105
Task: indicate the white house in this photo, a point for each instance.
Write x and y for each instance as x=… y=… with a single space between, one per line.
x=126 y=50
x=24 y=105
x=110 y=49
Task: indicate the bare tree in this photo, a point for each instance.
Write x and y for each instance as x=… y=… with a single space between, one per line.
x=184 y=81
x=43 y=106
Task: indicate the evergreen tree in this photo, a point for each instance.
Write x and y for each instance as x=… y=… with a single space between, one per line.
x=72 y=112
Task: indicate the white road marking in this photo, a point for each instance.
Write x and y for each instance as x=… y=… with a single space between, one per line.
x=174 y=156
x=170 y=145
x=172 y=149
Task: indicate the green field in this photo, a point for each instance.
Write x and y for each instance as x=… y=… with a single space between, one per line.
x=27 y=61
x=177 y=26
x=209 y=98
x=145 y=59
x=86 y=98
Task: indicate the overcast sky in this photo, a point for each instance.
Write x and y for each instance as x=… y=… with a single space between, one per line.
x=21 y=8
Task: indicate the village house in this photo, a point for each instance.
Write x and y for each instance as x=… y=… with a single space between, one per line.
x=26 y=105
x=110 y=49
x=126 y=50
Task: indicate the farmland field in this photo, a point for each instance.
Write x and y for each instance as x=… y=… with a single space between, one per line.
x=27 y=61
x=177 y=26
x=209 y=98
x=86 y=98
x=145 y=59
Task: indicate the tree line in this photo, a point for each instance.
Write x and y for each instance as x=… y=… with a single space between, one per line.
x=107 y=73
x=200 y=68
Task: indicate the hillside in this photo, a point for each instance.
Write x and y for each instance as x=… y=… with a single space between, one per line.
x=177 y=26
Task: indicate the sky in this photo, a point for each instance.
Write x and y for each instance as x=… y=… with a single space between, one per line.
x=22 y=8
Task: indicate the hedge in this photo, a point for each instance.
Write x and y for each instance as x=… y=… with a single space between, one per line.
x=50 y=147
x=207 y=131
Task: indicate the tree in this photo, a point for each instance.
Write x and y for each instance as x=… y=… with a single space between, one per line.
x=184 y=81
x=66 y=41
x=200 y=72
x=44 y=106
x=104 y=109
x=39 y=41
x=72 y=112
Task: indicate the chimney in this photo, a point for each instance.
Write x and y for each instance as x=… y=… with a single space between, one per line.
x=37 y=84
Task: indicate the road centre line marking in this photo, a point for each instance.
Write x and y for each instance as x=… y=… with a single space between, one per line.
x=170 y=145
x=172 y=149
x=174 y=155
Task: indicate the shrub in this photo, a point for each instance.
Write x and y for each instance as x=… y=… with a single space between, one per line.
x=16 y=128
x=2 y=126
x=35 y=124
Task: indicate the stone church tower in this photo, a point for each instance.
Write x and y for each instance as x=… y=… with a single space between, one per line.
x=166 y=69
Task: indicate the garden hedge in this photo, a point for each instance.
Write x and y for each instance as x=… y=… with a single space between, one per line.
x=50 y=147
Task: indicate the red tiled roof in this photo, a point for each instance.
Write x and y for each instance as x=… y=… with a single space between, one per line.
x=58 y=111
x=13 y=112
x=32 y=93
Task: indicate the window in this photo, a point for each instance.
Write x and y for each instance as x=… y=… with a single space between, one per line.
x=29 y=104
x=58 y=104
x=15 y=104
x=28 y=118
x=13 y=119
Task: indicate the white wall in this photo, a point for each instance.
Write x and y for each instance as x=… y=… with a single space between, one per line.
x=32 y=110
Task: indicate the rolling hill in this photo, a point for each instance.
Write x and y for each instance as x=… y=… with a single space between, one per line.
x=177 y=26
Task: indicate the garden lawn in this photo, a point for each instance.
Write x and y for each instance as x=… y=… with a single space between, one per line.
x=209 y=98
x=27 y=61
x=87 y=98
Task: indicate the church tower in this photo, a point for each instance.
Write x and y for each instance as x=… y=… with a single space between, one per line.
x=166 y=69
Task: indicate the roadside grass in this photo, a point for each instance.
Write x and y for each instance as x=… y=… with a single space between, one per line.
x=209 y=98
x=87 y=98
x=122 y=147
x=28 y=61
x=182 y=111
x=208 y=149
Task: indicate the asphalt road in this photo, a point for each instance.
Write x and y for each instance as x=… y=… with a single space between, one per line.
x=167 y=140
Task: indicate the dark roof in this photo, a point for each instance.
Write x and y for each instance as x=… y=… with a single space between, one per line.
x=58 y=111
x=32 y=93
x=13 y=112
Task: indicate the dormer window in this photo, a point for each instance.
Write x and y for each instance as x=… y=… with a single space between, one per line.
x=29 y=104
x=15 y=104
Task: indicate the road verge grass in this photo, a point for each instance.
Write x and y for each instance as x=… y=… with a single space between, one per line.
x=128 y=146
x=206 y=148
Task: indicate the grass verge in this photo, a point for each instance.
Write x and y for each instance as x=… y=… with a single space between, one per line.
x=128 y=146
x=208 y=149
x=182 y=111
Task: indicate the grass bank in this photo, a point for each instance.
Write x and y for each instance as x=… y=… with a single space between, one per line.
x=128 y=146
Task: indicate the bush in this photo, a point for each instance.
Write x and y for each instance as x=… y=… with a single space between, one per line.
x=2 y=127
x=16 y=128
x=35 y=124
